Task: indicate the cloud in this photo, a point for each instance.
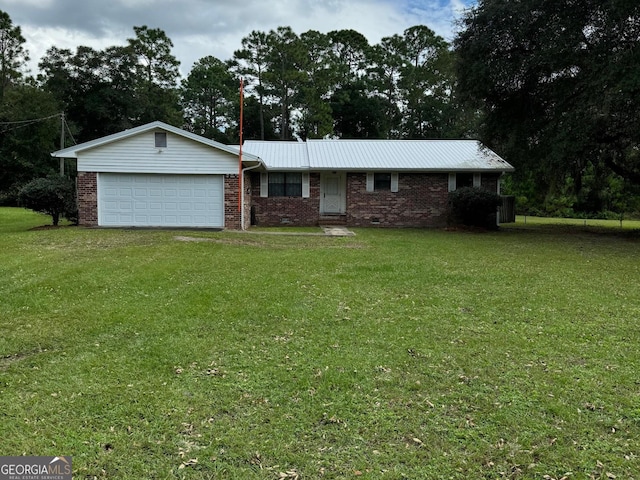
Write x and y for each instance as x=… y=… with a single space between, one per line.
x=199 y=28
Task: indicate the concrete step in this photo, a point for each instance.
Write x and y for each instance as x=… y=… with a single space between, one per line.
x=332 y=220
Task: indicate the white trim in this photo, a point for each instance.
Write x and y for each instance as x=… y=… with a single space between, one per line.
x=452 y=182
x=305 y=186
x=72 y=152
x=394 y=182
x=370 y=181
x=264 y=185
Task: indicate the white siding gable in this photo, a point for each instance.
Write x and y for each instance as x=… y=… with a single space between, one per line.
x=138 y=154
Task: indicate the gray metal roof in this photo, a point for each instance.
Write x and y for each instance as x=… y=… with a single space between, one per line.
x=372 y=155
x=281 y=155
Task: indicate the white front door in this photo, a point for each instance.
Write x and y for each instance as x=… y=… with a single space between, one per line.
x=332 y=193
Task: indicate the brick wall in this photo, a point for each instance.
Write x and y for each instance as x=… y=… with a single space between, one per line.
x=231 y=213
x=421 y=201
x=88 y=199
x=274 y=211
x=490 y=181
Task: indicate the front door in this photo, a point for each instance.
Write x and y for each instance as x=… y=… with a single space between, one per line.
x=332 y=193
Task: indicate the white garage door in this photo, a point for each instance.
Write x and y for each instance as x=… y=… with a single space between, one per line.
x=149 y=200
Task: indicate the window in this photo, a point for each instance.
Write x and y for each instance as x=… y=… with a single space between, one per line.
x=161 y=140
x=381 y=181
x=461 y=180
x=464 y=180
x=287 y=184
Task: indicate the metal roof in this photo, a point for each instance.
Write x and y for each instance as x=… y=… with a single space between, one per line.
x=372 y=155
x=281 y=155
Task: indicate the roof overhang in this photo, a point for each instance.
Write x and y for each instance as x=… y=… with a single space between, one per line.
x=72 y=152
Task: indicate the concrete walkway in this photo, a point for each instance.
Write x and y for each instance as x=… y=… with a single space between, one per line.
x=337 y=231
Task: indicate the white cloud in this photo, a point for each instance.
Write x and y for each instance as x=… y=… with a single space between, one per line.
x=215 y=27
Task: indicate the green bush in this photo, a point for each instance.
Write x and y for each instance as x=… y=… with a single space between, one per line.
x=52 y=195
x=474 y=207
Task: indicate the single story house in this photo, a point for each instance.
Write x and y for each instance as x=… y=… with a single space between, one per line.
x=157 y=175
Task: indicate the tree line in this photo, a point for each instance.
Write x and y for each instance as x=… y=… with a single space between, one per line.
x=551 y=86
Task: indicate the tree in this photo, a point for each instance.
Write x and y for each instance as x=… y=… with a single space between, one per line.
x=284 y=75
x=351 y=54
x=107 y=91
x=157 y=76
x=385 y=74
x=251 y=64
x=558 y=84
x=53 y=195
x=25 y=144
x=357 y=114
x=426 y=84
x=97 y=90
x=13 y=55
x=207 y=95
x=315 y=112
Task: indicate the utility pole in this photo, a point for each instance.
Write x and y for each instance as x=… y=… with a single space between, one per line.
x=62 y=143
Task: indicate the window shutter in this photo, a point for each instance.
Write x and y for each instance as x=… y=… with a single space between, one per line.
x=264 y=184
x=370 y=181
x=305 y=185
x=452 y=182
x=477 y=180
x=394 y=182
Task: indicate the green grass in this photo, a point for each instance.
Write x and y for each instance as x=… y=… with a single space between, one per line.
x=391 y=354
x=609 y=224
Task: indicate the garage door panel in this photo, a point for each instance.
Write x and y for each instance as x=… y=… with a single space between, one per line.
x=161 y=200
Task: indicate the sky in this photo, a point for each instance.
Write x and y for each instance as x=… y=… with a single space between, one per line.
x=199 y=28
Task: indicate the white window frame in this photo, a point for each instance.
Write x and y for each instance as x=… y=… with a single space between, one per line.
x=371 y=183
x=264 y=185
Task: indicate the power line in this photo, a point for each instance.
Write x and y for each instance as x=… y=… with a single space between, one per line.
x=25 y=123
x=33 y=120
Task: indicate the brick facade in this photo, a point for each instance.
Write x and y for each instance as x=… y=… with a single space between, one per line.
x=273 y=211
x=421 y=201
x=88 y=199
x=231 y=213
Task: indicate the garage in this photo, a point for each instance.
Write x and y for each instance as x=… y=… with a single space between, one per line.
x=160 y=200
x=158 y=175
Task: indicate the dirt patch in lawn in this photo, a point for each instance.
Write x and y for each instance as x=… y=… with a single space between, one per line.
x=224 y=241
x=50 y=227
x=8 y=360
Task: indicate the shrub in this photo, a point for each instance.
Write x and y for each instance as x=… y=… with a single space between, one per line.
x=474 y=207
x=52 y=195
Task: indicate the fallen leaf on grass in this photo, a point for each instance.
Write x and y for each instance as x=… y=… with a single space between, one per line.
x=189 y=463
x=289 y=474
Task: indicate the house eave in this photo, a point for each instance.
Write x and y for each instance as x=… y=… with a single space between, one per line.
x=72 y=152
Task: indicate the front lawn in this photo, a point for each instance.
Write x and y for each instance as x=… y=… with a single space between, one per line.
x=391 y=354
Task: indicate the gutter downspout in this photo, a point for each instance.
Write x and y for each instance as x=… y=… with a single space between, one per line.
x=242 y=193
